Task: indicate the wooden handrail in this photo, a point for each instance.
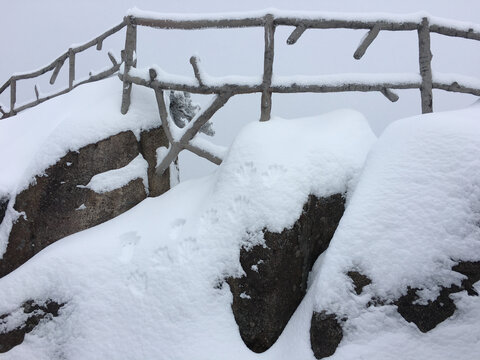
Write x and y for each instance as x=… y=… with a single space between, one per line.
x=56 y=65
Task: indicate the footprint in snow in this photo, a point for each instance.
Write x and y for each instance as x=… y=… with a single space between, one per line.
x=176 y=228
x=129 y=241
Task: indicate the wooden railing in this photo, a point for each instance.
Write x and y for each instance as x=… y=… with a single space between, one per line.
x=224 y=90
x=55 y=67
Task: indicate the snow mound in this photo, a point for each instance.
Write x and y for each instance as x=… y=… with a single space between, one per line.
x=149 y=283
x=35 y=139
x=414 y=214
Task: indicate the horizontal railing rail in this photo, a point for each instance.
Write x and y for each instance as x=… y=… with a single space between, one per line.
x=55 y=67
x=267 y=83
x=225 y=88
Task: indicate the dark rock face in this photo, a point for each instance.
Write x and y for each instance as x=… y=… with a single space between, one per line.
x=359 y=281
x=58 y=204
x=276 y=275
x=428 y=316
x=149 y=142
x=3 y=207
x=325 y=334
x=37 y=312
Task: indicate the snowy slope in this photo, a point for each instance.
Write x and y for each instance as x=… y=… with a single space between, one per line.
x=144 y=284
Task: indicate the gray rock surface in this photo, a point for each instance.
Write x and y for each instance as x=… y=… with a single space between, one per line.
x=276 y=275
x=55 y=206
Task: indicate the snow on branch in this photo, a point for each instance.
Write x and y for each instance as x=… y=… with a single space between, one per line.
x=183 y=137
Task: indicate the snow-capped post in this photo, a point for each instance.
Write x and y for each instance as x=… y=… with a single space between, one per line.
x=13 y=94
x=367 y=40
x=130 y=49
x=71 y=68
x=425 y=62
x=296 y=33
x=196 y=70
x=266 y=106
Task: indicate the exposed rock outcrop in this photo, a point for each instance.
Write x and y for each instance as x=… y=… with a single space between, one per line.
x=277 y=273
x=58 y=204
x=325 y=334
x=426 y=316
x=33 y=313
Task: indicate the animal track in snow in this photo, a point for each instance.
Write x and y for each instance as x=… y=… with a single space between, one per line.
x=129 y=241
x=176 y=228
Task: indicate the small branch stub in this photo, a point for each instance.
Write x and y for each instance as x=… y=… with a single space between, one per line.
x=153 y=74
x=56 y=71
x=36 y=92
x=295 y=35
x=390 y=95
x=196 y=70
x=13 y=95
x=112 y=59
x=366 y=42
x=99 y=44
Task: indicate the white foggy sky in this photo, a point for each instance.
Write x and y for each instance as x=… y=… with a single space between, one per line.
x=33 y=33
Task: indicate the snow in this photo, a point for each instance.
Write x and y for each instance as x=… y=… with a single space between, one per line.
x=33 y=140
x=214 y=149
x=143 y=285
x=148 y=284
x=312 y=15
x=117 y=178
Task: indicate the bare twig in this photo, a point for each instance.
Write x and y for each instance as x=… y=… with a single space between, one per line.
x=13 y=95
x=112 y=59
x=56 y=71
x=389 y=94
x=203 y=153
x=371 y=35
x=196 y=70
x=162 y=109
x=295 y=35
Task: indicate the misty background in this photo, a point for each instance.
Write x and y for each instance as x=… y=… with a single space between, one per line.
x=34 y=33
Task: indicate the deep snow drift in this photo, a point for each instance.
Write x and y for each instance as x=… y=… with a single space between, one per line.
x=146 y=284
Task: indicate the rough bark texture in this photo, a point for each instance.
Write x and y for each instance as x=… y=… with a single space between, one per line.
x=149 y=142
x=325 y=334
x=45 y=311
x=55 y=206
x=276 y=275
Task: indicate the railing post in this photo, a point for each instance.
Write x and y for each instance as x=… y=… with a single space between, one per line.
x=266 y=105
x=71 y=68
x=13 y=95
x=425 y=62
x=130 y=49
